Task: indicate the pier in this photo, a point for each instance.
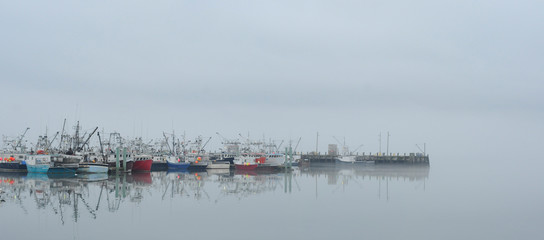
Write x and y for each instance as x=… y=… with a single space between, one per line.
x=410 y=158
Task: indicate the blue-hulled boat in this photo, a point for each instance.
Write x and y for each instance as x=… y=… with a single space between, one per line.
x=62 y=169
x=179 y=166
x=38 y=163
x=37 y=168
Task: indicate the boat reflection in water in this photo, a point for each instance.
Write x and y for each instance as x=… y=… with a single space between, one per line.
x=71 y=194
x=90 y=196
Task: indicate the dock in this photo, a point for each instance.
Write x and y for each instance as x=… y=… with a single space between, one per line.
x=410 y=158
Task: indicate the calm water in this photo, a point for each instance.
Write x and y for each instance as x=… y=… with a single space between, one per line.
x=321 y=201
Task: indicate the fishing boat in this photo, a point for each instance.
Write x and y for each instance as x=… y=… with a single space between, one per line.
x=38 y=163
x=91 y=167
x=248 y=161
x=296 y=160
x=142 y=163
x=352 y=159
x=219 y=164
x=122 y=156
x=176 y=164
x=346 y=159
x=64 y=163
x=159 y=163
x=13 y=160
x=227 y=157
x=347 y=155
x=63 y=169
x=112 y=166
x=179 y=166
x=12 y=163
x=246 y=166
x=13 y=167
x=197 y=166
x=231 y=149
x=112 y=162
x=193 y=153
x=275 y=159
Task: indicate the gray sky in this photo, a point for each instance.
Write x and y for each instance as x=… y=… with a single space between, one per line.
x=423 y=70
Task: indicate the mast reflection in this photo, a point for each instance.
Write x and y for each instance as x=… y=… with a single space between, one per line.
x=72 y=197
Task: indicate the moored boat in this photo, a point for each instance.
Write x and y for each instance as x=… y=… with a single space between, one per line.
x=113 y=165
x=62 y=169
x=249 y=161
x=111 y=160
x=275 y=159
x=346 y=159
x=38 y=168
x=197 y=166
x=13 y=166
x=38 y=163
x=179 y=166
x=142 y=163
x=12 y=163
x=218 y=164
x=246 y=166
x=160 y=162
x=64 y=163
x=90 y=167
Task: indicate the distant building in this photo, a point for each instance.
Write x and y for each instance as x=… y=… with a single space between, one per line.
x=333 y=149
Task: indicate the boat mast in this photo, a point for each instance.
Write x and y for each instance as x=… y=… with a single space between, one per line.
x=51 y=142
x=20 y=141
x=86 y=141
x=167 y=144
x=101 y=150
x=76 y=143
x=202 y=148
x=173 y=143
x=62 y=134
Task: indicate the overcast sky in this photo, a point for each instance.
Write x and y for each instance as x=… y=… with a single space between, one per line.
x=283 y=69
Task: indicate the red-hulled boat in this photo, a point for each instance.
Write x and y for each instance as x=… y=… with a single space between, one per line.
x=142 y=163
x=248 y=161
x=246 y=166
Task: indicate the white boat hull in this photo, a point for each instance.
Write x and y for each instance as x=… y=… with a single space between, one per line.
x=275 y=160
x=347 y=159
x=218 y=166
x=92 y=168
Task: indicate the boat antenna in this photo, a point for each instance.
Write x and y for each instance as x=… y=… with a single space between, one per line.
x=101 y=148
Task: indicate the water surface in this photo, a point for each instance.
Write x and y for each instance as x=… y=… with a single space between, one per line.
x=319 y=201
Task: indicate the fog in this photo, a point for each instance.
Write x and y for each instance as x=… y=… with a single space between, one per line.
x=462 y=77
